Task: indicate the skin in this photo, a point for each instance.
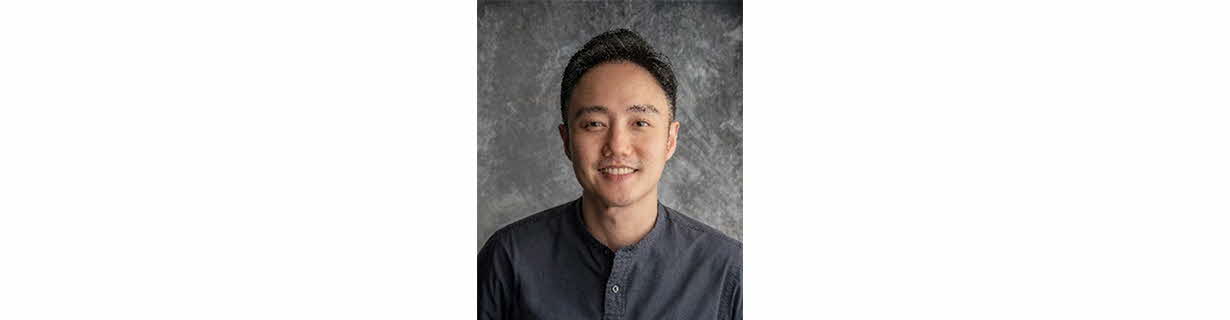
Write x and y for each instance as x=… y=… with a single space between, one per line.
x=619 y=117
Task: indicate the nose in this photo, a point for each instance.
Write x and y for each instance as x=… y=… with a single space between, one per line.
x=618 y=142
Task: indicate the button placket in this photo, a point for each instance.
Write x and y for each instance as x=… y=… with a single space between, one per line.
x=615 y=297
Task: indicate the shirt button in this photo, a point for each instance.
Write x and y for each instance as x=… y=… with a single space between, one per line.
x=615 y=288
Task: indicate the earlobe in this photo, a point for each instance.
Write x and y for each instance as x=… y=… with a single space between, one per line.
x=563 y=136
x=672 y=139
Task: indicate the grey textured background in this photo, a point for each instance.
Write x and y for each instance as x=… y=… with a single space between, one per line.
x=522 y=50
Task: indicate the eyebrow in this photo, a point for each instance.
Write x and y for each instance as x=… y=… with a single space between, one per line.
x=588 y=109
x=639 y=108
x=645 y=108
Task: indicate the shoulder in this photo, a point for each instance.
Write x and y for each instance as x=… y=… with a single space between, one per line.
x=529 y=228
x=705 y=238
x=692 y=228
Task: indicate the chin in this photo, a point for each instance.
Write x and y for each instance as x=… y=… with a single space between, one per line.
x=618 y=202
x=622 y=199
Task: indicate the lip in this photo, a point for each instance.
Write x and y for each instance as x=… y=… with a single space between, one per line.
x=617 y=177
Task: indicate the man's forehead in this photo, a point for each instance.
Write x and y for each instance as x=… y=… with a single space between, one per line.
x=618 y=81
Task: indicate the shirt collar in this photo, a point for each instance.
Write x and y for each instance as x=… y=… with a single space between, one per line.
x=659 y=227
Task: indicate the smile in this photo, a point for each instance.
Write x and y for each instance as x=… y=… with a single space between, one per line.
x=617 y=170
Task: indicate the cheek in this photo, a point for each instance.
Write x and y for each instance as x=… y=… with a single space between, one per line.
x=652 y=149
x=648 y=158
x=585 y=151
x=586 y=146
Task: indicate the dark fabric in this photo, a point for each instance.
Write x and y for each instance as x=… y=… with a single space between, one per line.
x=548 y=266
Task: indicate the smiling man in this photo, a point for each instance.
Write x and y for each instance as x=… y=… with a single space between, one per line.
x=616 y=252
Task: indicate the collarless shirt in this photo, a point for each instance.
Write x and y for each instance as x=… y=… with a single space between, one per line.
x=548 y=266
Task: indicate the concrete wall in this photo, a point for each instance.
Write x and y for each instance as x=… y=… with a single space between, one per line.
x=522 y=50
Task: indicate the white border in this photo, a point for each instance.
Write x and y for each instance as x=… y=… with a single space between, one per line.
x=237 y=160
x=987 y=160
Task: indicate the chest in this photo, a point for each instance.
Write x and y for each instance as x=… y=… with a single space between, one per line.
x=620 y=286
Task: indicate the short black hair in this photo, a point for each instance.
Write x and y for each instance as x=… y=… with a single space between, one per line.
x=613 y=46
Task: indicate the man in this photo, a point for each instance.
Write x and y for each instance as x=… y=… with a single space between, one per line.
x=616 y=252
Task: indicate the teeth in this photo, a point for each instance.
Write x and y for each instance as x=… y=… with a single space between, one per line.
x=617 y=170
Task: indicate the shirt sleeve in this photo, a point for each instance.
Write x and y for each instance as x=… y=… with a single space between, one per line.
x=736 y=302
x=736 y=299
x=495 y=279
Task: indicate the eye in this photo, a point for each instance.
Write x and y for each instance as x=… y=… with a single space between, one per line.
x=588 y=124
x=641 y=123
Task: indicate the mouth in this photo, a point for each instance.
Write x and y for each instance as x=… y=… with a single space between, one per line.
x=617 y=171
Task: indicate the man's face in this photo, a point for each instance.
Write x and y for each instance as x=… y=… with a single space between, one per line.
x=619 y=134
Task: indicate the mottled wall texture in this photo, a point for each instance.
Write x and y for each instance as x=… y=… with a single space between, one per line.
x=522 y=50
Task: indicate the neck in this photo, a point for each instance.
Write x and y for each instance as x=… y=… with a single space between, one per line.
x=618 y=227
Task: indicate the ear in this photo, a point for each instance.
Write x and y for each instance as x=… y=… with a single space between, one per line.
x=563 y=136
x=672 y=136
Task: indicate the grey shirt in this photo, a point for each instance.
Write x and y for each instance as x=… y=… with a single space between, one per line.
x=548 y=266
